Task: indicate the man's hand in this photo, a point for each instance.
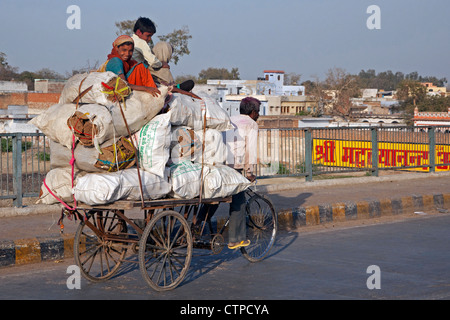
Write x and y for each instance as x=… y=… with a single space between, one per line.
x=251 y=177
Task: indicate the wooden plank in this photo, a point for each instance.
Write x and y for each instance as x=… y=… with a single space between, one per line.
x=151 y=204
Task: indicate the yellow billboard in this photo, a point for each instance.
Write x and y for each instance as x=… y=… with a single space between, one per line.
x=358 y=154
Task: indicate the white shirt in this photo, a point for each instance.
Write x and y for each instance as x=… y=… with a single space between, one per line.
x=143 y=54
x=242 y=143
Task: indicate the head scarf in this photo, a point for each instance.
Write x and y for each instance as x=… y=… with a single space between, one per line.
x=127 y=65
x=163 y=52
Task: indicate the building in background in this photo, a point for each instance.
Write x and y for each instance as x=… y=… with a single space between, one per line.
x=275 y=97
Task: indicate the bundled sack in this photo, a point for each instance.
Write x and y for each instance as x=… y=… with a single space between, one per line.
x=153 y=144
x=103 y=188
x=102 y=123
x=91 y=122
x=120 y=155
x=138 y=109
x=185 y=179
x=95 y=91
x=105 y=121
x=185 y=145
x=188 y=111
x=60 y=155
x=59 y=181
x=215 y=150
x=53 y=123
x=111 y=157
x=223 y=181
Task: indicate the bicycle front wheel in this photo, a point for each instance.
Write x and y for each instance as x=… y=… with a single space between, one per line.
x=262 y=228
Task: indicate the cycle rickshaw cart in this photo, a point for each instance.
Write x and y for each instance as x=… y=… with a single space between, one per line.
x=163 y=239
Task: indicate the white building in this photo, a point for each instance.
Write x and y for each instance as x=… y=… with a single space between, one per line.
x=229 y=93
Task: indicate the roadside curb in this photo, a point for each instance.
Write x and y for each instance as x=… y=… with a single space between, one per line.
x=346 y=211
x=58 y=247
x=34 y=250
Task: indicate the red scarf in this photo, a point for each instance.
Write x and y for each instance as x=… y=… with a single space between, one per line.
x=127 y=65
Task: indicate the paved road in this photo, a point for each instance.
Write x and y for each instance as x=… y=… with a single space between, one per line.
x=314 y=263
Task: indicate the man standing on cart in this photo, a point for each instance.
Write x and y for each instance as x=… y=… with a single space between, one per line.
x=242 y=156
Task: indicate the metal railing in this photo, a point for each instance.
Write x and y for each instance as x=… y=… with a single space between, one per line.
x=25 y=157
x=24 y=161
x=314 y=151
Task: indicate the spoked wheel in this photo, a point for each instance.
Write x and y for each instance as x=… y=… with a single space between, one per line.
x=96 y=252
x=165 y=250
x=261 y=228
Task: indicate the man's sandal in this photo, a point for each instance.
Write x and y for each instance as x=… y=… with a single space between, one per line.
x=236 y=245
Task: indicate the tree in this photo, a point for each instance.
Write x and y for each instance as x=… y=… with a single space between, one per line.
x=344 y=86
x=292 y=78
x=179 y=40
x=218 y=74
x=6 y=71
x=125 y=27
x=411 y=91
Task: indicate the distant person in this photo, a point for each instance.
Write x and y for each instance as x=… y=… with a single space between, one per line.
x=135 y=74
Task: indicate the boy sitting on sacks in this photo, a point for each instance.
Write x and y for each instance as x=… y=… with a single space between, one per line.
x=156 y=60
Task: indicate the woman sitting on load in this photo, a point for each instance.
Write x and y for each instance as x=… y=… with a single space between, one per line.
x=135 y=74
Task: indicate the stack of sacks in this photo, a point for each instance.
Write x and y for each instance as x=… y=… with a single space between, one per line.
x=197 y=152
x=169 y=145
x=105 y=158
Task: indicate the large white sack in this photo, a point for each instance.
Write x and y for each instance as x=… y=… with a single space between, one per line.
x=223 y=181
x=103 y=188
x=188 y=111
x=53 y=123
x=138 y=109
x=96 y=95
x=185 y=145
x=185 y=179
x=215 y=150
x=59 y=181
x=60 y=155
x=153 y=144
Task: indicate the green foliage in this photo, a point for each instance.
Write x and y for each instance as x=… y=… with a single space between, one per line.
x=387 y=80
x=7 y=145
x=218 y=74
x=179 y=40
x=43 y=156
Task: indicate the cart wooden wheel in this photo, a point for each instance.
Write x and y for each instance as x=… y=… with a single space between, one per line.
x=95 y=251
x=165 y=250
x=261 y=228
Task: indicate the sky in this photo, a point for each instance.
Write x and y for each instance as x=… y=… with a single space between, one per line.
x=306 y=37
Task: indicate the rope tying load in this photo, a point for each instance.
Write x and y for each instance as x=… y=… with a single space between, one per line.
x=117 y=91
x=83 y=128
